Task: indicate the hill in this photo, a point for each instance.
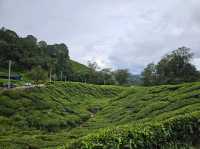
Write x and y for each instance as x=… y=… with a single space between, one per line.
x=78 y=67
x=77 y=115
x=155 y=117
x=43 y=117
x=30 y=56
x=26 y=53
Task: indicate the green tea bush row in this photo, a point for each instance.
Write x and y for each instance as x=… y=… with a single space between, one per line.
x=178 y=131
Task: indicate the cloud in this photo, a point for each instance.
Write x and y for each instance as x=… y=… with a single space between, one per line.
x=115 y=33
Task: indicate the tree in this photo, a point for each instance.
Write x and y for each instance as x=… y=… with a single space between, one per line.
x=38 y=74
x=121 y=76
x=176 y=67
x=8 y=36
x=173 y=68
x=42 y=44
x=93 y=76
x=149 y=74
x=135 y=79
x=106 y=76
x=93 y=65
x=62 y=65
x=31 y=39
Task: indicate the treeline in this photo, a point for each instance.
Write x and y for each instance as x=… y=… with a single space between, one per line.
x=27 y=53
x=107 y=76
x=43 y=61
x=173 y=68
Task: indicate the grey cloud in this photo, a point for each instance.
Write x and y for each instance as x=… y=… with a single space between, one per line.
x=115 y=33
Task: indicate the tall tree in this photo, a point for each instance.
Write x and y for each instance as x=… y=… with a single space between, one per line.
x=38 y=74
x=93 y=76
x=121 y=76
x=149 y=74
x=176 y=67
x=173 y=68
x=107 y=76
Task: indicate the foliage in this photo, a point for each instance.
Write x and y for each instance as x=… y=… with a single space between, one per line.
x=121 y=76
x=173 y=68
x=39 y=115
x=174 y=132
x=80 y=115
x=38 y=74
x=149 y=74
x=153 y=117
x=107 y=76
x=83 y=115
x=26 y=53
x=93 y=74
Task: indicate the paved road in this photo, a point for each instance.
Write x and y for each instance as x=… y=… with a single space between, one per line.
x=24 y=87
x=29 y=86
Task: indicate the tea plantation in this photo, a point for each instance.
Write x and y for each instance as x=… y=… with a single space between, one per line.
x=76 y=115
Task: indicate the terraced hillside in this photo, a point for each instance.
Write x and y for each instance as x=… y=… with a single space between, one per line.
x=154 y=117
x=75 y=115
x=43 y=117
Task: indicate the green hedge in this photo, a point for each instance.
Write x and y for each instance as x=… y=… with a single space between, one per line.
x=172 y=132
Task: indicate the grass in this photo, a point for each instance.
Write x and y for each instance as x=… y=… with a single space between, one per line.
x=78 y=67
x=77 y=115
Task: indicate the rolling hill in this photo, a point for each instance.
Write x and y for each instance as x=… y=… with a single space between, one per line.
x=77 y=115
x=78 y=67
x=43 y=117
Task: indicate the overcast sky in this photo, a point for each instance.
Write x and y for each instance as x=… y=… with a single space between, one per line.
x=114 y=33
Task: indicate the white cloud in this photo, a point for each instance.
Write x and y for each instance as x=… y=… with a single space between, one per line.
x=196 y=62
x=115 y=33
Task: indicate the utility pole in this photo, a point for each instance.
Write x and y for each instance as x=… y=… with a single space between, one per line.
x=50 y=75
x=61 y=75
x=65 y=79
x=9 y=72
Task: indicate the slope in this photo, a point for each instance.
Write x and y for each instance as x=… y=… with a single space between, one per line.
x=78 y=67
x=147 y=117
x=76 y=115
x=42 y=117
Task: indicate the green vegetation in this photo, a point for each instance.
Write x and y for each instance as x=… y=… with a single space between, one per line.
x=77 y=67
x=78 y=115
x=27 y=53
x=154 y=117
x=42 y=117
x=173 y=68
x=73 y=115
x=38 y=74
